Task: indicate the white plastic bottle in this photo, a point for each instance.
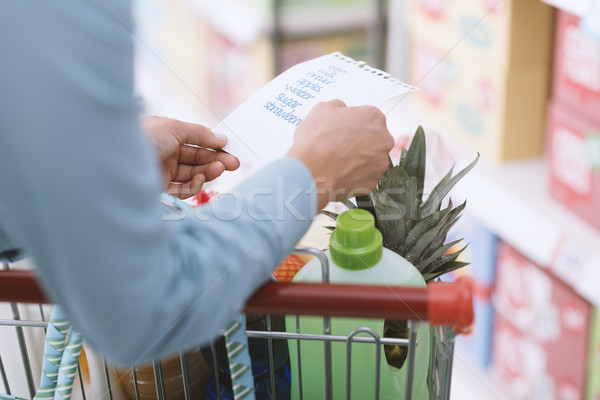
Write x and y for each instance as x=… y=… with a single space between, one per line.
x=356 y=256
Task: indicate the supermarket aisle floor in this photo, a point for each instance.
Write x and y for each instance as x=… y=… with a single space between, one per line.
x=471 y=382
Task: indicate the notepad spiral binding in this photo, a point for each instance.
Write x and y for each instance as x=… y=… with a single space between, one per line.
x=367 y=68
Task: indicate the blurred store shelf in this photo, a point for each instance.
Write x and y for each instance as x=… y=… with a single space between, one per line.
x=297 y=19
x=576 y=7
x=470 y=382
x=512 y=199
x=164 y=95
x=317 y=20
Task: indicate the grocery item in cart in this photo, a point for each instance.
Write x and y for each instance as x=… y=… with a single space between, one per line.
x=289 y=267
x=447 y=304
x=413 y=224
x=356 y=255
x=61 y=358
x=261 y=368
x=172 y=372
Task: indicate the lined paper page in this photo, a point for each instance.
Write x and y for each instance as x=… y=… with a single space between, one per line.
x=262 y=128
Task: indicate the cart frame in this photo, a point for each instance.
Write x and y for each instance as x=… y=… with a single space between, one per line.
x=447 y=307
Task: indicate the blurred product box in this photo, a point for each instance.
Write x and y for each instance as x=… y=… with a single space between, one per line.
x=172 y=49
x=475 y=25
x=576 y=78
x=481 y=254
x=593 y=378
x=291 y=4
x=574 y=160
x=242 y=58
x=573 y=120
x=541 y=332
x=477 y=345
x=507 y=33
x=481 y=250
x=183 y=39
x=484 y=67
x=351 y=44
x=237 y=70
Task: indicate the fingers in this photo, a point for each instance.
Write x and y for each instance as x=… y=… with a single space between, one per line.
x=186 y=179
x=199 y=135
x=197 y=156
x=376 y=127
x=335 y=103
x=346 y=146
x=188 y=189
x=213 y=170
x=186 y=173
x=189 y=180
x=327 y=109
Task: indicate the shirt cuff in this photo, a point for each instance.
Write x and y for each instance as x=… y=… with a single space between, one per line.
x=284 y=194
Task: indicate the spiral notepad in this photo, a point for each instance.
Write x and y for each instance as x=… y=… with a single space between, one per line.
x=262 y=128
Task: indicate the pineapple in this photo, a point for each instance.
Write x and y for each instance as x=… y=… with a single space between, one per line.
x=290 y=266
x=413 y=226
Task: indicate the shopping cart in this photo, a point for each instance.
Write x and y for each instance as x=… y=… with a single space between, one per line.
x=445 y=307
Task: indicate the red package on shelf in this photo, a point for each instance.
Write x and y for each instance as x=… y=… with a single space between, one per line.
x=574 y=161
x=576 y=78
x=541 y=331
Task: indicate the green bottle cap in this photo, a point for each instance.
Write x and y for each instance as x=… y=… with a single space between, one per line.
x=356 y=243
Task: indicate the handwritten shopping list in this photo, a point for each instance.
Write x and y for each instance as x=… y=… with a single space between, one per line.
x=262 y=128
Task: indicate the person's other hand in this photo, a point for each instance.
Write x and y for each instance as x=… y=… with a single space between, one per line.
x=345 y=149
x=189 y=154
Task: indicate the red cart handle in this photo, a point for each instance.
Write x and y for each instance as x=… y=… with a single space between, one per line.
x=17 y=286
x=440 y=303
x=452 y=304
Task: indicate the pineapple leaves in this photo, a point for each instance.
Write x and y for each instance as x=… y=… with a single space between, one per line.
x=402 y=188
x=402 y=156
x=394 y=179
x=453 y=217
x=390 y=220
x=349 y=204
x=414 y=161
x=386 y=173
x=424 y=226
x=414 y=227
x=442 y=189
x=437 y=265
x=424 y=263
x=448 y=267
x=417 y=251
x=441 y=183
x=330 y=214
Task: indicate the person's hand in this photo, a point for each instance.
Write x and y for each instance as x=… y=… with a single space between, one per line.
x=189 y=154
x=345 y=149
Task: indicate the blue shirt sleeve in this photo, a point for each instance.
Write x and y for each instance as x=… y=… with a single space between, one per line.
x=80 y=185
x=11 y=249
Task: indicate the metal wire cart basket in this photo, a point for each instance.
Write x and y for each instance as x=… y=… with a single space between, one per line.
x=278 y=345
